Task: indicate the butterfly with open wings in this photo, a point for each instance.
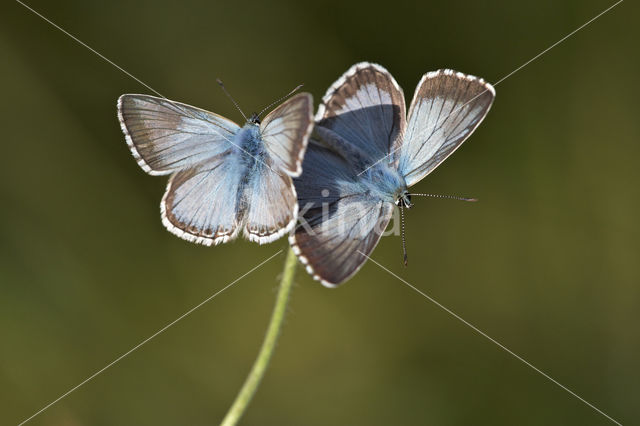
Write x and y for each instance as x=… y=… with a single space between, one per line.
x=224 y=178
x=364 y=154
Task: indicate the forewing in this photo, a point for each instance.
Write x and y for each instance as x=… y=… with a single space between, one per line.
x=446 y=108
x=202 y=204
x=166 y=136
x=366 y=107
x=285 y=132
x=338 y=223
x=271 y=203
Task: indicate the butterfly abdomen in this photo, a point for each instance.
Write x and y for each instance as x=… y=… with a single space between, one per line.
x=248 y=148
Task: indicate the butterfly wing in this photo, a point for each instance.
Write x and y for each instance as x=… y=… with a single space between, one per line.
x=271 y=203
x=285 y=132
x=202 y=204
x=339 y=223
x=446 y=108
x=366 y=107
x=166 y=136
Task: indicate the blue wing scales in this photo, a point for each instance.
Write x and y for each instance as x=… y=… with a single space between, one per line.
x=447 y=107
x=285 y=133
x=166 y=136
x=339 y=222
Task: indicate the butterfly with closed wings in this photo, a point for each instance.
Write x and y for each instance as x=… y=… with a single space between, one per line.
x=364 y=154
x=224 y=178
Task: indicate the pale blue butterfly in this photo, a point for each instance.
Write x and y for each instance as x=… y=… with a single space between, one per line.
x=364 y=154
x=224 y=178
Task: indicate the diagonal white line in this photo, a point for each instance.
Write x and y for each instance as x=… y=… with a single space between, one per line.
x=93 y=50
x=494 y=341
x=139 y=81
x=511 y=73
x=558 y=42
x=383 y=158
x=163 y=329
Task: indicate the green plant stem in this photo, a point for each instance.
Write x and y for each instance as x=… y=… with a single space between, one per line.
x=266 y=351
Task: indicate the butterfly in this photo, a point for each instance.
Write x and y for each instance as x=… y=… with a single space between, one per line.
x=224 y=178
x=364 y=154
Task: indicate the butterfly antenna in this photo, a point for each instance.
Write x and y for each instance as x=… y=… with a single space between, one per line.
x=452 y=197
x=281 y=99
x=404 y=245
x=224 y=89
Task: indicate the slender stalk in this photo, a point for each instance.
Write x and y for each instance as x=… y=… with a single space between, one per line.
x=266 y=351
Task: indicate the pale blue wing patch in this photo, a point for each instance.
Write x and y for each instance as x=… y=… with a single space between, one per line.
x=337 y=219
x=335 y=244
x=447 y=107
x=285 y=132
x=271 y=204
x=166 y=136
x=365 y=107
x=202 y=204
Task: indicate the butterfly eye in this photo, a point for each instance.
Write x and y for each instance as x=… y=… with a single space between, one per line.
x=255 y=118
x=404 y=200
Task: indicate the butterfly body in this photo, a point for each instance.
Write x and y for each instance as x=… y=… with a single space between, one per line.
x=380 y=181
x=247 y=145
x=384 y=183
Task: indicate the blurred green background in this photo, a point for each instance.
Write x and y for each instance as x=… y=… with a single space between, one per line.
x=547 y=262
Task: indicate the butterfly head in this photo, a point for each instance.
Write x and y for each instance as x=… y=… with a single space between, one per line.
x=404 y=200
x=254 y=119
